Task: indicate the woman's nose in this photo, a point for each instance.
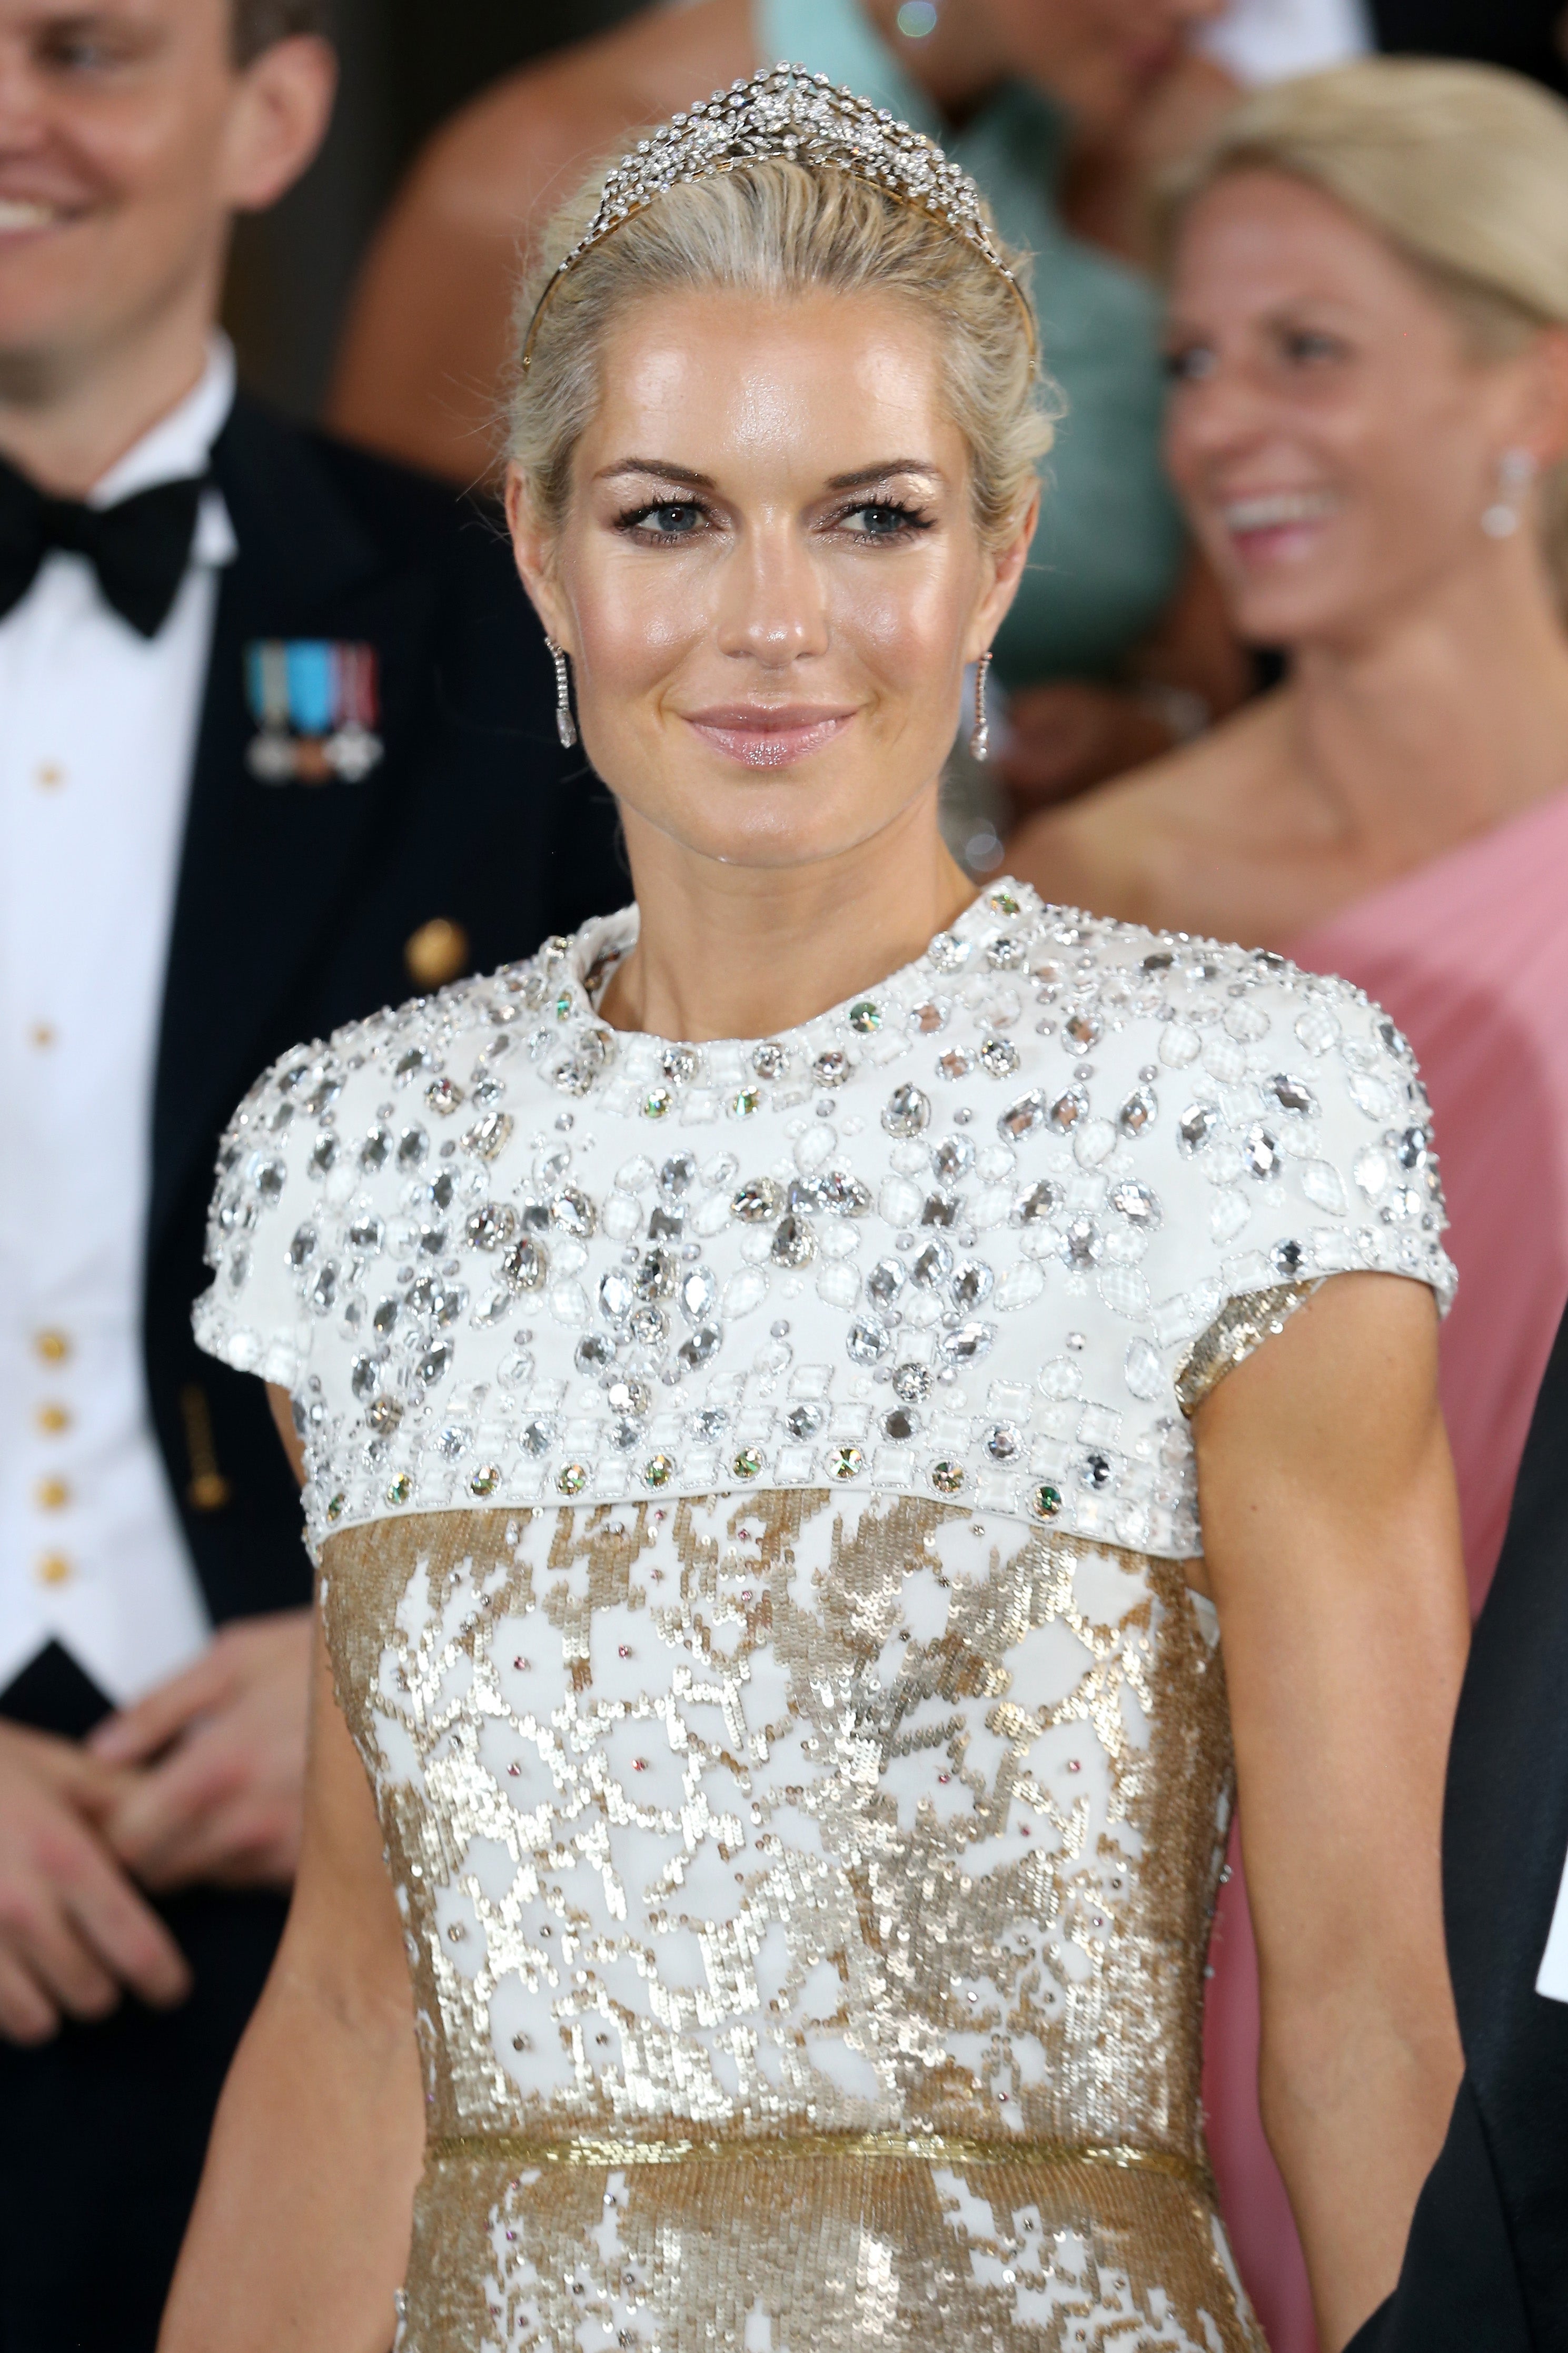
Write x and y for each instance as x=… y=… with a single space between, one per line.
x=21 y=114
x=1215 y=412
x=771 y=605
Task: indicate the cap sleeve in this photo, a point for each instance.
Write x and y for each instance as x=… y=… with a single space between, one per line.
x=260 y=1245
x=1340 y=1142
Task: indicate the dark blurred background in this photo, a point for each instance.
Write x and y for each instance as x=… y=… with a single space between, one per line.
x=408 y=63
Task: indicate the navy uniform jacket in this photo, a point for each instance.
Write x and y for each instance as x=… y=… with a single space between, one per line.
x=295 y=910
x=296 y=902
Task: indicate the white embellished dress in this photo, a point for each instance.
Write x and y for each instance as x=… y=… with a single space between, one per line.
x=752 y=1484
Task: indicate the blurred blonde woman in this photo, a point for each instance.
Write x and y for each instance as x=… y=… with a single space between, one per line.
x=785 y=1440
x=1368 y=338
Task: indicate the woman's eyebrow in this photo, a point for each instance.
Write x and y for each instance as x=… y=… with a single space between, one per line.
x=864 y=474
x=659 y=469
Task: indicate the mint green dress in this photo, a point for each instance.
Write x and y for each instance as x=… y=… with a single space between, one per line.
x=1109 y=546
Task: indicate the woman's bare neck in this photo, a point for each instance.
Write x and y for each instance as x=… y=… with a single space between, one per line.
x=1374 y=759
x=728 y=951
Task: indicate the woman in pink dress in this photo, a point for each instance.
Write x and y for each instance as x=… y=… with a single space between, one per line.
x=1369 y=422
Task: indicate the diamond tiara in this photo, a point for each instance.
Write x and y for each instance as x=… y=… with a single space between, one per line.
x=785 y=110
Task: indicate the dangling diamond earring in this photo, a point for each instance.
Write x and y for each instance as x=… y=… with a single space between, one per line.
x=1517 y=468
x=980 y=734
x=566 y=725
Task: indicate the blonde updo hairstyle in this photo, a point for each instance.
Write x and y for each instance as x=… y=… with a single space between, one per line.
x=781 y=228
x=1463 y=169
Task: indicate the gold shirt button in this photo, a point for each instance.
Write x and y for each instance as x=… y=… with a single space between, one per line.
x=54 y=1569
x=437 y=953
x=53 y=1346
x=41 y=1034
x=52 y=1494
x=49 y=775
x=53 y=1418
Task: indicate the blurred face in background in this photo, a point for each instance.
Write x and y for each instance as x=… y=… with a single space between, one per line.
x=1333 y=438
x=1100 y=57
x=127 y=136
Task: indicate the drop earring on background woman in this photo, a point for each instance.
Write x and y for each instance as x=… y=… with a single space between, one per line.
x=1516 y=469
x=980 y=734
x=566 y=725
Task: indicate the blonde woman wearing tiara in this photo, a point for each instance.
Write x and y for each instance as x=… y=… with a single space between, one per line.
x=1109 y=615
x=794 y=1386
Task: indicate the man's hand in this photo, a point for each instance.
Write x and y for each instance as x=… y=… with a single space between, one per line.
x=223 y=1749
x=74 y=1932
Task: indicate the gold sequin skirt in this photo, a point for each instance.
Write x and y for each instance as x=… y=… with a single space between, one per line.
x=801 y=2246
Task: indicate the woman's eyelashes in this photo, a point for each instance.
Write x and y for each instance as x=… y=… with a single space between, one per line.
x=665 y=519
x=1190 y=363
x=884 y=519
x=867 y=522
x=1311 y=347
x=1292 y=346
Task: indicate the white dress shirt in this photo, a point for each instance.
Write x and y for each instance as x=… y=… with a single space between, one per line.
x=97 y=730
x=1267 y=40
x=1553 y=1980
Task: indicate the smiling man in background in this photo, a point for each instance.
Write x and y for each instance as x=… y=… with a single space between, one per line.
x=241 y=668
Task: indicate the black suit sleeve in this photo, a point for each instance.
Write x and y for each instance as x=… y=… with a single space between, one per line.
x=1459 y=2286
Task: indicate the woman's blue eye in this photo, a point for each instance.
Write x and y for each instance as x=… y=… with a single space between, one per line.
x=1190 y=366
x=673 y=519
x=879 y=519
x=1305 y=343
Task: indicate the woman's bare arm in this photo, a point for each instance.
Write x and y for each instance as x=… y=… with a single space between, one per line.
x=1332 y=1541
x=300 y=2236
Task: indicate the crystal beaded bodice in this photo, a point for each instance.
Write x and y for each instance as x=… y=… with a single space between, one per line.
x=750 y=1483
x=961 y=1237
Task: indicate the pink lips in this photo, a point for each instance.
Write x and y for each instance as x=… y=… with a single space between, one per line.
x=769 y=737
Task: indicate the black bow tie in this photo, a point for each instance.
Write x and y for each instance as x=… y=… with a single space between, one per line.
x=139 y=549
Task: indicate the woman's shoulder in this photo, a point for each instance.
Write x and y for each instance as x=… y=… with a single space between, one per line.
x=386 y=1108
x=1163 y=844
x=1280 y=1113
x=411 y=1053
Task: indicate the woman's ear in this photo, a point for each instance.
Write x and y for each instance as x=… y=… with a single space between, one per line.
x=1006 y=564
x=533 y=550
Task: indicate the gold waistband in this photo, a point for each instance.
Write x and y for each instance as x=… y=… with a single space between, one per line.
x=932 y=2149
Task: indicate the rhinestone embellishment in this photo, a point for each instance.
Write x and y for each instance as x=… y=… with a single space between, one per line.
x=785 y=110
x=588 y=1306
